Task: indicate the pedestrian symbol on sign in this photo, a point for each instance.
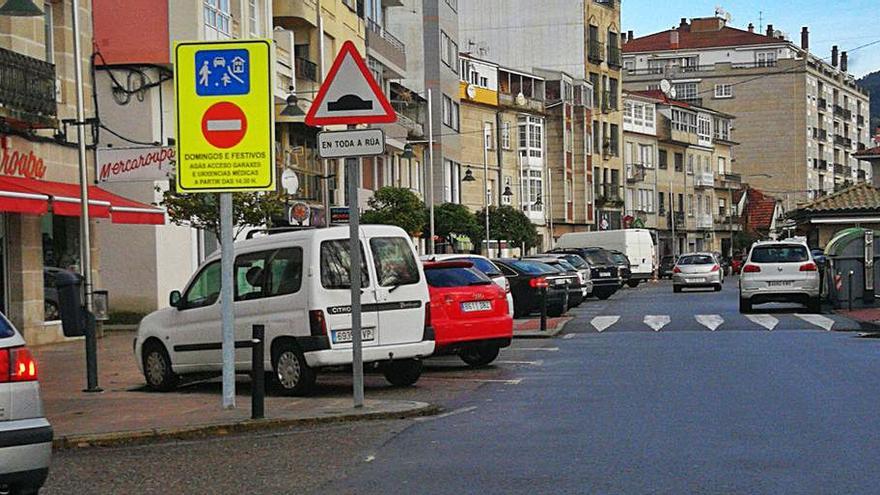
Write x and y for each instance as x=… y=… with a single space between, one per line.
x=222 y=72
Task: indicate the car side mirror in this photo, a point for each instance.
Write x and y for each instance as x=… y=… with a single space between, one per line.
x=174 y=299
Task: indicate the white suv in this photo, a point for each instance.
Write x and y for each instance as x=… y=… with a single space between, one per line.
x=780 y=271
x=25 y=434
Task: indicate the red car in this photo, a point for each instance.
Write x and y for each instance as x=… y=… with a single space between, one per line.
x=469 y=312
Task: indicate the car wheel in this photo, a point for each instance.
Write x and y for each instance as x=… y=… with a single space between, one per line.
x=402 y=373
x=633 y=283
x=745 y=306
x=676 y=289
x=479 y=355
x=292 y=375
x=157 y=368
x=815 y=305
x=718 y=288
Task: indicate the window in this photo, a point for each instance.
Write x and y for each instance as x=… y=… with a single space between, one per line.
x=49 y=30
x=505 y=135
x=254 y=20
x=394 y=261
x=765 y=59
x=646 y=200
x=336 y=265
x=690 y=205
x=690 y=169
x=686 y=91
x=614 y=142
x=723 y=91
x=218 y=19
x=646 y=155
x=533 y=183
x=487 y=135
x=704 y=129
x=663 y=161
x=449 y=51
x=596 y=137
x=679 y=162
x=456 y=277
x=661 y=202
x=722 y=207
x=452 y=182
x=722 y=165
x=779 y=254
x=531 y=137
x=205 y=289
x=249 y=276
x=451 y=111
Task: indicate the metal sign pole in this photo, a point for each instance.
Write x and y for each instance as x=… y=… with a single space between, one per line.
x=352 y=170
x=227 y=254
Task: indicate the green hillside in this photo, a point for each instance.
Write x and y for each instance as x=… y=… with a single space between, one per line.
x=871 y=82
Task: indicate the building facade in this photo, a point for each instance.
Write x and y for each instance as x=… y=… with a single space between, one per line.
x=800 y=119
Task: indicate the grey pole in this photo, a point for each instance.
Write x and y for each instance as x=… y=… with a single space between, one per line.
x=84 y=237
x=486 y=190
x=352 y=170
x=227 y=324
x=430 y=169
x=672 y=216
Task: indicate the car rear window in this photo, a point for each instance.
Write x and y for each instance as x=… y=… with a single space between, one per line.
x=575 y=261
x=485 y=266
x=780 y=254
x=455 y=277
x=620 y=258
x=697 y=259
x=533 y=267
x=394 y=261
x=5 y=329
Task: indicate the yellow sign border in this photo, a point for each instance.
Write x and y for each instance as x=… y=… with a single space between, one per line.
x=269 y=160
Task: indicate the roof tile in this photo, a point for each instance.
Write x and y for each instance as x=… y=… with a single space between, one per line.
x=688 y=40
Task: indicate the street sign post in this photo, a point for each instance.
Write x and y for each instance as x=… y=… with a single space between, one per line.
x=360 y=142
x=225 y=136
x=350 y=95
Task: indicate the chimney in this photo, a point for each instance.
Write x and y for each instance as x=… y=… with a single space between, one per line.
x=623 y=38
x=629 y=35
x=843 y=61
x=769 y=30
x=751 y=28
x=673 y=39
x=805 y=39
x=834 y=56
x=683 y=23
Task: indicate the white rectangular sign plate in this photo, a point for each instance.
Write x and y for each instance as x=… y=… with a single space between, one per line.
x=344 y=144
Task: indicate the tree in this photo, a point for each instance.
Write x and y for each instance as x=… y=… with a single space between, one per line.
x=506 y=224
x=396 y=206
x=452 y=219
x=202 y=210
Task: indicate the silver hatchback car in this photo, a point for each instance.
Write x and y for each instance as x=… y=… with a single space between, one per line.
x=697 y=270
x=25 y=435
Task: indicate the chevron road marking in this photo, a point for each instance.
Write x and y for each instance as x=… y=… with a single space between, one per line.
x=820 y=321
x=602 y=323
x=657 y=322
x=765 y=321
x=712 y=322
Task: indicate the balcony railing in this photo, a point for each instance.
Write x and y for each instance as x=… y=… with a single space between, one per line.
x=680 y=220
x=842 y=112
x=635 y=172
x=754 y=65
x=614 y=56
x=820 y=164
x=27 y=90
x=820 y=134
x=838 y=168
x=842 y=140
x=306 y=69
x=704 y=179
x=595 y=52
x=390 y=38
x=645 y=71
x=705 y=222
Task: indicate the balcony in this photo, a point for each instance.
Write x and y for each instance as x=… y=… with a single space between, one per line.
x=820 y=164
x=705 y=222
x=842 y=112
x=822 y=104
x=704 y=179
x=645 y=72
x=27 y=90
x=842 y=141
x=306 y=69
x=838 y=169
x=595 y=51
x=680 y=222
x=387 y=49
x=614 y=56
x=635 y=172
x=727 y=223
x=860 y=120
x=820 y=134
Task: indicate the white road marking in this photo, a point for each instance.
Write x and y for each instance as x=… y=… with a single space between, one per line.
x=656 y=322
x=532 y=363
x=548 y=349
x=765 y=321
x=370 y=458
x=820 y=321
x=712 y=322
x=224 y=125
x=568 y=336
x=445 y=415
x=602 y=323
x=515 y=381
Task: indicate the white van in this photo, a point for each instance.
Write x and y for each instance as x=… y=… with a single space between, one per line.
x=297 y=284
x=636 y=244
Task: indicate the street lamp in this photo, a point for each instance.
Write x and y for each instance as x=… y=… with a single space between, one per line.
x=292 y=108
x=408 y=152
x=468 y=176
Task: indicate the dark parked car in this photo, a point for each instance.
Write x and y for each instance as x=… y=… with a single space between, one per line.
x=525 y=277
x=575 y=287
x=667 y=263
x=603 y=269
x=624 y=267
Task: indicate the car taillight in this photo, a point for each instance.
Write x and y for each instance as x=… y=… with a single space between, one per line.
x=17 y=365
x=538 y=283
x=317 y=323
x=715 y=268
x=751 y=269
x=676 y=270
x=809 y=267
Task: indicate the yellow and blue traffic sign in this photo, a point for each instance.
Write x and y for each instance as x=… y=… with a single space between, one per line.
x=225 y=116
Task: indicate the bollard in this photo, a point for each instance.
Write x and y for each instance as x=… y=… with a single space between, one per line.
x=258 y=375
x=544 y=308
x=849 y=294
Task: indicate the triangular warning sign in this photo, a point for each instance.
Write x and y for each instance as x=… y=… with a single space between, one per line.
x=349 y=94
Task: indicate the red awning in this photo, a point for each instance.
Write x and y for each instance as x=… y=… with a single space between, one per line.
x=23 y=195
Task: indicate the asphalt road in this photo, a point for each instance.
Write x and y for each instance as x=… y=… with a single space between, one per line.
x=656 y=403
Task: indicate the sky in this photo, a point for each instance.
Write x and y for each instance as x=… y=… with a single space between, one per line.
x=846 y=23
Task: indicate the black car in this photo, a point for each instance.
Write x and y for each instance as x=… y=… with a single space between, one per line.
x=603 y=270
x=667 y=263
x=523 y=275
x=575 y=287
x=624 y=267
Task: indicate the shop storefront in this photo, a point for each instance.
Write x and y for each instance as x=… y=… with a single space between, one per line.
x=40 y=212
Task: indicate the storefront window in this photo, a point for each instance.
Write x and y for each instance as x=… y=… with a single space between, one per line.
x=60 y=242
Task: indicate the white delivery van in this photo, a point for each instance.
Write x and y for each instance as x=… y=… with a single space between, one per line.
x=297 y=285
x=636 y=244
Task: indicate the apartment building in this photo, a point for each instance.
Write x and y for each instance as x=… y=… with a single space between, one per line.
x=429 y=30
x=677 y=159
x=800 y=119
x=517 y=35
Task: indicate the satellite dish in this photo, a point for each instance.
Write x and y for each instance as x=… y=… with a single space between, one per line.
x=665 y=86
x=672 y=93
x=521 y=99
x=289 y=181
x=471 y=91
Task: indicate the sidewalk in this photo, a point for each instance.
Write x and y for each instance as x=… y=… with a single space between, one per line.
x=530 y=328
x=868 y=317
x=127 y=411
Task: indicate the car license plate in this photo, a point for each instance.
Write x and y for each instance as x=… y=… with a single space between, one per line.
x=344 y=336
x=779 y=283
x=604 y=274
x=698 y=280
x=471 y=306
x=559 y=281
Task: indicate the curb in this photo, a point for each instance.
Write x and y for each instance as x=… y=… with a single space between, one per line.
x=113 y=439
x=537 y=334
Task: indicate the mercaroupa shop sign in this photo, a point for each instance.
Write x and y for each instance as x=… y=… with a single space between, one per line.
x=134 y=164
